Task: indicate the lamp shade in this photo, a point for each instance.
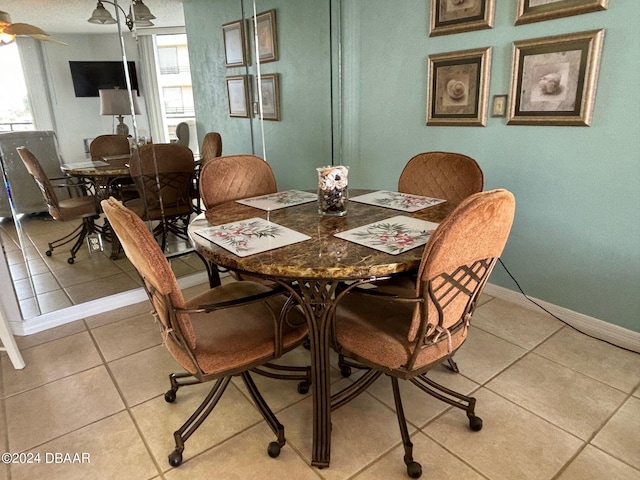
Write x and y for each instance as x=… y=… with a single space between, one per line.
x=115 y=101
x=101 y=16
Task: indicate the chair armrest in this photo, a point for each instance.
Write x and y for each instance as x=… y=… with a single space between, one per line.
x=276 y=290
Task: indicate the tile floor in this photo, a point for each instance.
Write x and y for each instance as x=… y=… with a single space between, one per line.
x=54 y=283
x=556 y=404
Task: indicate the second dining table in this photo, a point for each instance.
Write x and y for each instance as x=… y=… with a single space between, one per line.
x=312 y=268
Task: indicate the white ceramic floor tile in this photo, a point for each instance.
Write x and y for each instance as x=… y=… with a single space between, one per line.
x=602 y=361
x=45 y=336
x=420 y=407
x=50 y=361
x=131 y=335
x=484 y=355
x=513 y=443
x=563 y=396
x=60 y=407
x=356 y=440
x=145 y=374
x=521 y=326
x=245 y=457
x=437 y=463
x=158 y=420
x=594 y=464
x=110 y=449
x=620 y=437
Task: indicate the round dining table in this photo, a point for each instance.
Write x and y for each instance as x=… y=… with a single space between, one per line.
x=312 y=270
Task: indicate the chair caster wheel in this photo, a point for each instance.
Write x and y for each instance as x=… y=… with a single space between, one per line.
x=48 y=253
x=345 y=371
x=70 y=261
x=414 y=469
x=175 y=458
x=170 y=396
x=273 y=450
x=475 y=423
x=303 y=388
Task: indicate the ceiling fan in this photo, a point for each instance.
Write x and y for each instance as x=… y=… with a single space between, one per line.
x=9 y=31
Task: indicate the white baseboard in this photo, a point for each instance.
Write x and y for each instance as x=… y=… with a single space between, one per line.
x=94 y=307
x=608 y=332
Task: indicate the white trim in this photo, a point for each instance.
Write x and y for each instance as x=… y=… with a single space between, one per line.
x=606 y=331
x=101 y=305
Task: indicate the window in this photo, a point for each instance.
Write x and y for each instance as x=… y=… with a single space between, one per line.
x=168 y=60
x=15 y=112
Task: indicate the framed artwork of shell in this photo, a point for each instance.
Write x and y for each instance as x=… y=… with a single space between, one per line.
x=458 y=87
x=455 y=16
x=554 y=79
x=538 y=10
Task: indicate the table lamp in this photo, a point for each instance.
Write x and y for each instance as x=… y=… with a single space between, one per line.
x=115 y=101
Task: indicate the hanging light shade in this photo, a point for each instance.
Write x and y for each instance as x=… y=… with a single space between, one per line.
x=141 y=11
x=101 y=16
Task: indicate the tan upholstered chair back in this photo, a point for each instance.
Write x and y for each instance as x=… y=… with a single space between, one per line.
x=109 y=145
x=42 y=180
x=211 y=146
x=451 y=176
x=458 y=259
x=160 y=282
x=163 y=174
x=234 y=177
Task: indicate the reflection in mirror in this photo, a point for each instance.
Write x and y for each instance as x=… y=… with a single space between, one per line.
x=45 y=284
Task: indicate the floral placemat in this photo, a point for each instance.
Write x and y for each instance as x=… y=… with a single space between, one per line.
x=274 y=201
x=397 y=200
x=248 y=237
x=393 y=235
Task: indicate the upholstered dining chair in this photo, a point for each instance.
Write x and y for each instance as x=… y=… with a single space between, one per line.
x=234 y=177
x=108 y=145
x=225 y=331
x=163 y=174
x=405 y=336
x=182 y=134
x=79 y=207
x=451 y=176
x=211 y=146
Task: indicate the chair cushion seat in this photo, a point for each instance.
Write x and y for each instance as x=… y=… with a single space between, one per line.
x=77 y=207
x=139 y=207
x=375 y=330
x=243 y=336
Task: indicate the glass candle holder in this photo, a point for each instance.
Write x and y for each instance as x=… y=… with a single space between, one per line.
x=333 y=190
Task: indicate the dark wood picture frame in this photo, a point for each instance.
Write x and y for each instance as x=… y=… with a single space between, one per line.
x=267 y=36
x=269 y=85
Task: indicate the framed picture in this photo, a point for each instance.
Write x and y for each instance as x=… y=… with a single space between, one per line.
x=455 y=16
x=553 y=79
x=238 y=94
x=538 y=10
x=235 y=44
x=458 y=87
x=265 y=24
x=499 y=108
x=270 y=96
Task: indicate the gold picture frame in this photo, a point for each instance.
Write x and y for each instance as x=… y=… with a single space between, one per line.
x=267 y=36
x=238 y=95
x=554 y=79
x=234 y=35
x=530 y=11
x=458 y=87
x=269 y=86
x=455 y=16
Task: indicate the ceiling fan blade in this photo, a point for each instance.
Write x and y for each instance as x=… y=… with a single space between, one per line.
x=30 y=31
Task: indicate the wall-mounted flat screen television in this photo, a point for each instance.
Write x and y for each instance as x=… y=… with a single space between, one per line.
x=89 y=77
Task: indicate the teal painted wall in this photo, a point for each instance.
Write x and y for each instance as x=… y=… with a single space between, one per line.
x=576 y=238
x=301 y=140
